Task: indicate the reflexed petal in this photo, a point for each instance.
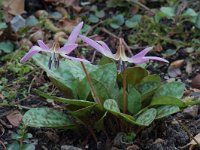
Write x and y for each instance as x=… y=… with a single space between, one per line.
x=74 y=34
x=147 y=58
x=155 y=58
x=142 y=53
x=42 y=45
x=34 y=50
x=107 y=52
x=74 y=58
x=137 y=60
x=68 y=48
x=92 y=43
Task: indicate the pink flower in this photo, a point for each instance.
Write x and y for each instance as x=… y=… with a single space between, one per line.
x=56 y=50
x=139 y=58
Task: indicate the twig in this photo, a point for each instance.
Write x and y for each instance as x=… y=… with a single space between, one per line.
x=114 y=36
x=4 y=147
x=14 y=105
x=140 y=4
x=93 y=56
x=30 y=86
x=108 y=32
x=93 y=27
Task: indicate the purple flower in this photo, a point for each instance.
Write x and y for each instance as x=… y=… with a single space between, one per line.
x=55 y=50
x=139 y=58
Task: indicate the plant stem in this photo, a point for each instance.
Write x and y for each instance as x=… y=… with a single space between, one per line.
x=124 y=94
x=90 y=83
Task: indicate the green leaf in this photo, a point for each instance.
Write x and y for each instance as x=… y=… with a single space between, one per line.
x=99 y=125
x=133 y=22
x=159 y=15
x=169 y=52
x=32 y=20
x=164 y=111
x=3 y=25
x=94 y=19
x=168 y=11
x=133 y=101
x=174 y=89
x=148 y=85
x=197 y=24
x=100 y=14
x=147 y=117
x=101 y=90
x=6 y=47
x=14 y=146
x=111 y=104
x=17 y=146
x=103 y=80
x=69 y=72
x=128 y=118
x=46 y=117
x=167 y=100
x=189 y=12
x=117 y=21
x=84 y=113
x=114 y=25
x=82 y=103
x=134 y=75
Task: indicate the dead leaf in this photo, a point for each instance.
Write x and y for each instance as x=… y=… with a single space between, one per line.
x=15 y=7
x=1 y=96
x=158 y=48
x=196 y=82
x=38 y=35
x=133 y=147
x=158 y=140
x=177 y=63
x=174 y=68
x=14 y=117
x=68 y=25
x=188 y=68
x=193 y=142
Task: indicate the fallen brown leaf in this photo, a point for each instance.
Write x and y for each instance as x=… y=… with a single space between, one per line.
x=174 y=68
x=14 y=117
x=196 y=82
x=15 y=7
x=177 y=63
x=193 y=142
x=1 y=96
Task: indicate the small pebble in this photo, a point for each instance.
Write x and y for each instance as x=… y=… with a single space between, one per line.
x=17 y=22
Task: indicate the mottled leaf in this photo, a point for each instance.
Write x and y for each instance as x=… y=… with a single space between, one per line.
x=46 y=117
x=147 y=117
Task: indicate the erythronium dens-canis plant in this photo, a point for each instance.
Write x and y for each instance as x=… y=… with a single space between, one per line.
x=131 y=97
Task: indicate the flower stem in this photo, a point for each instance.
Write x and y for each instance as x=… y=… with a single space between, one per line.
x=124 y=94
x=90 y=83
